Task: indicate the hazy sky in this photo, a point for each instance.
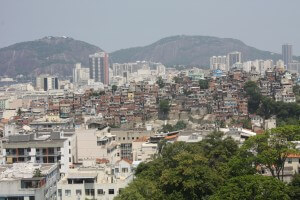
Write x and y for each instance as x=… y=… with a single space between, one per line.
x=116 y=24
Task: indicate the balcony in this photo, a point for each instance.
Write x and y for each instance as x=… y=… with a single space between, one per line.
x=41 y=154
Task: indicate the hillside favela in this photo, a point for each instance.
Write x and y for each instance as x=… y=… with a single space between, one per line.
x=149 y=100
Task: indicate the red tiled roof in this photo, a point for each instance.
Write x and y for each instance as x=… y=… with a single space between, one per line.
x=293 y=156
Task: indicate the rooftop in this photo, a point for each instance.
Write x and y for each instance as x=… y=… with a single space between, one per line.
x=18 y=171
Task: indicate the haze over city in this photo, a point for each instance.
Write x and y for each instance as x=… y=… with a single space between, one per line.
x=149 y=100
x=113 y=24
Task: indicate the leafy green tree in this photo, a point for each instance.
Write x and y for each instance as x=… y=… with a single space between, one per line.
x=295 y=187
x=254 y=97
x=19 y=112
x=217 y=149
x=167 y=128
x=252 y=187
x=191 y=177
x=203 y=84
x=177 y=79
x=37 y=173
x=267 y=107
x=160 y=82
x=114 y=88
x=141 y=189
x=290 y=132
x=241 y=164
x=270 y=150
x=214 y=168
x=246 y=123
x=296 y=89
x=187 y=92
x=180 y=125
x=164 y=108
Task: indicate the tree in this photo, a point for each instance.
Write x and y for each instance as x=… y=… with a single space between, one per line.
x=19 y=112
x=217 y=149
x=253 y=93
x=246 y=123
x=191 y=177
x=295 y=187
x=187 y=92
x=290 y=132
x=167 y=128
x=177 y=79
x=37 y=173
x=252 y=187
x=203 y=84
x=114 y=88
x=269 y=150
x=160 y=82
x=164 y=108
x=180 y=125
x=141 y=189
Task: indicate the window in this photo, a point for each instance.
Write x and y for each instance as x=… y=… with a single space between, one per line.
x=87 y=192
x=59 y=192
x=289 y=160
x=69 y=143
x=111 y=191
x=58 y=148
x=117 y=170
x=123 y=138
x=132 y=138
x=124 y=170
x=100 y=192
x=67 y=193
x=69 y=151
x=92 y=192
x=78 y=192
x=70 y=159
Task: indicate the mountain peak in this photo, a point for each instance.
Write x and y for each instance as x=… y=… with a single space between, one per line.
x=189 y=50
x=51 y=54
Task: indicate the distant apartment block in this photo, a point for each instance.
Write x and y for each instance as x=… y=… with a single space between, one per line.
x=287 y=54
x=224 y=63
x=47 y=82
x=80 y=74
x=99 y=67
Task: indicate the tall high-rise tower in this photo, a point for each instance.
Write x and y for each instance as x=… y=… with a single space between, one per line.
x=99 y=67
x=233 y=57
x=287 y=54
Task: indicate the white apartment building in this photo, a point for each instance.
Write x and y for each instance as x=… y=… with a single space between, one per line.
x=233 y=58
x=18 y=181
x=47 y=82
x=80 y=74
x=143 y=150
x=218 y=62
x=97 y=144
x=294 y=67
x=95 y=181
x=42 y=147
